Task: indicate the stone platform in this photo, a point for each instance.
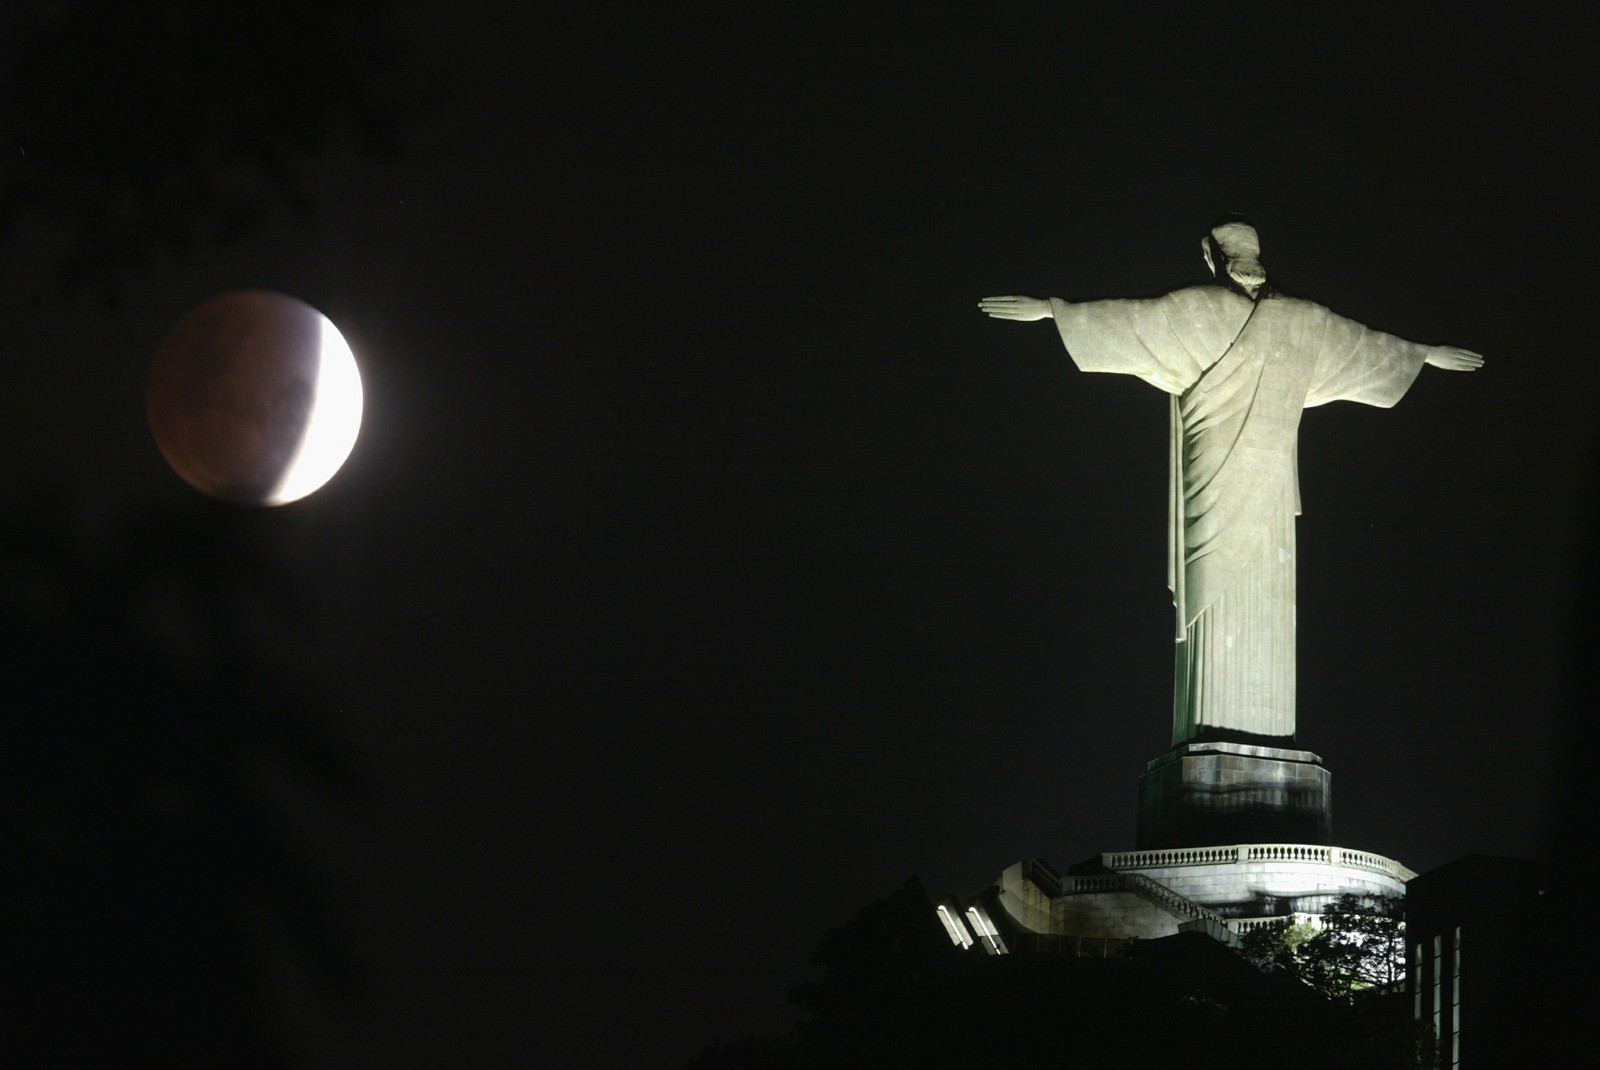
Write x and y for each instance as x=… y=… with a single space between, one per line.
x=1224 y=890
x=1222 y=792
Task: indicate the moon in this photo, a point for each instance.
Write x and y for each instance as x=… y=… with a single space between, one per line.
x=254 y=397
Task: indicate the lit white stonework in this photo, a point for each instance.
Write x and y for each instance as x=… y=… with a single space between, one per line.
x=1240 y=362
x=1150 y=894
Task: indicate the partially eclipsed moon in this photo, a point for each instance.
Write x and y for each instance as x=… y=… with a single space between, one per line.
x=254 y=397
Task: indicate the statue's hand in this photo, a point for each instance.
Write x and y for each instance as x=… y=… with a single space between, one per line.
x=1016 y=307
x=1454 y=358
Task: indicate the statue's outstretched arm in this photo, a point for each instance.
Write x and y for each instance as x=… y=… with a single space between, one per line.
x=1454 y=358
x=1016 y=307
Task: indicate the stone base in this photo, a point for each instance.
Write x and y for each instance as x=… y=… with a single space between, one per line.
x=1143 y=895
x=1218 y=792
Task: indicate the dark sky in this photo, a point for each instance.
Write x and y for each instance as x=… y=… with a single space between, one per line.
x=709 y=565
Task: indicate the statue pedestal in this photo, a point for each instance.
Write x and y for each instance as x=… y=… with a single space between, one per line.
x=1207 y=793
x=1223 y=890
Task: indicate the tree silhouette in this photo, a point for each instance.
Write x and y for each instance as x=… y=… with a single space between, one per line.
x=1360 y=946
x=150 y=877
x=146 y=127
x=894 y=992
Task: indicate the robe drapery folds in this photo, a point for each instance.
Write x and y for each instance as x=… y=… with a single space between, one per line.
x=1239 y=373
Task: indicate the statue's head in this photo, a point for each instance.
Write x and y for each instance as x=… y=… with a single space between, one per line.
x=1233 y=253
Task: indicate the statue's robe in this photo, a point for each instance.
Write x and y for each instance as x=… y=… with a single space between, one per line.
x=1240 y=373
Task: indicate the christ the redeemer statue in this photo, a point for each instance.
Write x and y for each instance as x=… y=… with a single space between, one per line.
x=1240 y=362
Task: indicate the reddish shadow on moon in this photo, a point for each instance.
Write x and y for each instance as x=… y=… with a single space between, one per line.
x=254 y=398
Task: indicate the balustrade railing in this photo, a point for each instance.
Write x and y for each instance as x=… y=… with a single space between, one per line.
x=1160 y=892
x=1048 y=882
x=1138 y=882
x=1099 y=882
x=1283 y=921
x=1255 y=852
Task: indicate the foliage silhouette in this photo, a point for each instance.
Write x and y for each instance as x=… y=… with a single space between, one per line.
x=153 y=879
x=154 y=126
x=894 y=992
x=1360 y=947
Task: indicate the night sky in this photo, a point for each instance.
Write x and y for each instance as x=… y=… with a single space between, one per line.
x=709 y=565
